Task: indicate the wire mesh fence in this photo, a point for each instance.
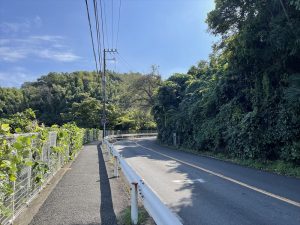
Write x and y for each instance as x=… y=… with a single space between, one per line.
x=31 y=179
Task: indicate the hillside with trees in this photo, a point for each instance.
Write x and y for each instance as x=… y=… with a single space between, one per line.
x=245 y=101
x=59 y=98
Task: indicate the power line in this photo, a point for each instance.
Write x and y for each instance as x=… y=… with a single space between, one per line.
x=105 y=21
x=91 y=32
x=98 y=33
x=102 y=28
x=118 y=23
x=124 y=65
x=100 y=37
x=125 y=61
x=112 y=23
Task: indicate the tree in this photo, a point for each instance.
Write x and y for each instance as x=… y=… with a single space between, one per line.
x=87 y=113
x=243 y=102
x=58 y=98
x=143 y=88
x=11 y=101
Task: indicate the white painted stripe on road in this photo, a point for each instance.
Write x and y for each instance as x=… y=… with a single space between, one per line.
x=286 y=200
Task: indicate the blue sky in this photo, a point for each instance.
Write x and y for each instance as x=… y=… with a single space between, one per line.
x=38 y=37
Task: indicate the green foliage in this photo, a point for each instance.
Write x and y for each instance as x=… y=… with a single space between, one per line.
x=25 y=150
x=244 y=102
x=11 y=100
x=125 y=217
x=59 y=98
x=23 y=122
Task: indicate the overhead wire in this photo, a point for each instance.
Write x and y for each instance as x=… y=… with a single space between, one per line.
x=118 y=27
x=91 y=33
x=102 y=25
x=101 y=28
x=98 y=34
x=112 y=23
x=105 y=22
x=125 y=62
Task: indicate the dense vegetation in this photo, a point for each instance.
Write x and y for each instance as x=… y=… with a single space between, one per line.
x=61 y=103
x=245 y=101
x=19 y=151
x=60 y=98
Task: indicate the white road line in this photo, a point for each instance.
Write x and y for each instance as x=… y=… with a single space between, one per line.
x=286 y=200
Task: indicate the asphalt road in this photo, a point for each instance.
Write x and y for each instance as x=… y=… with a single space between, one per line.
x=204 y=191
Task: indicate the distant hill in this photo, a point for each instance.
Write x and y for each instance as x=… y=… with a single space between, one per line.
x=58 y=98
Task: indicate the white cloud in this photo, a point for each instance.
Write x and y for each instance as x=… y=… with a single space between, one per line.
x=12 y=27
x=21 y=27
x=9 y=54
x=50 y=38
x=58 y=55
x=50 y=47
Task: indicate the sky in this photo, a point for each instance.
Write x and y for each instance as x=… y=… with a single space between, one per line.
x=38 y=37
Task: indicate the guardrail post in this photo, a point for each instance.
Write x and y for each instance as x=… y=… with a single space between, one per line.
x=134 y=203
x=116 y=167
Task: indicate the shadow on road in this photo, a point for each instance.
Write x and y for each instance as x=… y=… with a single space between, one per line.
x=107 y=214
x=213 y=200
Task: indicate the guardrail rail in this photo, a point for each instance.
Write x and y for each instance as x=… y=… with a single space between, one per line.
x=161 y=214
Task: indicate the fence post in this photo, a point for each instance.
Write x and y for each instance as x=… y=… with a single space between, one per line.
x=116 y=167
x=29 y=179
x=13 y=202
x=134 y=203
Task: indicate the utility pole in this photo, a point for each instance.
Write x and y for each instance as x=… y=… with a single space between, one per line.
x=104 y=120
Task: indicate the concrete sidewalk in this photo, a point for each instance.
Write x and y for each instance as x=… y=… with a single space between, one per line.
x=83 y=195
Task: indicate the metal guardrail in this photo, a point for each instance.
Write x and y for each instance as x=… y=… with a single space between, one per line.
x=161 y=214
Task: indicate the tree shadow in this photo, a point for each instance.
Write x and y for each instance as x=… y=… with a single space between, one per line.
x=203 y=198
x=107 y=214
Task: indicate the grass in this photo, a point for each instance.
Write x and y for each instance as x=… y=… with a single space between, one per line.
x=277 y=166
x=125 y=216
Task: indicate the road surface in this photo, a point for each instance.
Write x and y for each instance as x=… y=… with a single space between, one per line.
x=204 y=191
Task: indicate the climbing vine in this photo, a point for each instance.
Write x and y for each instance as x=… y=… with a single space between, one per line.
x=21 y=145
